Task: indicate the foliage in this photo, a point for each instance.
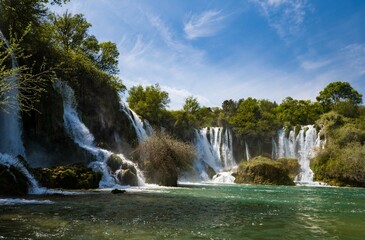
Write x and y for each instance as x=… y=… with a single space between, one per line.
x=342 y=161
x=149 y=102
x=75 y=176
x=191 y=105
x=70 y=33
x=19 y=85
x=164 y=158
x=254 y=118
x=337 y=92
x=262 y=170
x=293 y=112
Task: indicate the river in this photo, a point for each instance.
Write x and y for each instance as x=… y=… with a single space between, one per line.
x=190 y=212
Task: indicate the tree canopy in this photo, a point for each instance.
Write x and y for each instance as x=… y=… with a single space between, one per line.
x=149 y=102
x=336 y=92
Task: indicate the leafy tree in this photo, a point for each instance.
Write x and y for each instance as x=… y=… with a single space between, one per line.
x=191 y=105
x=18 y=15
x=337 y=92
x=293 y=112
x=149 y=102
x=108 y=58
x=71 y=32
x=254 y=118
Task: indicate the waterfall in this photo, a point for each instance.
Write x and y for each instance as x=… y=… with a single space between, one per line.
x=301 y=147
x=214 y=147
x=11 y=143
x=143 y=128
x=248 y=155
x=10 y=124
x=8 y=161
x=84 y=138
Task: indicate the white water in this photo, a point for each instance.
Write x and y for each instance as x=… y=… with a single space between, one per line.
x=11 y=143
x=8 y=160
x=143 y=128
x=302 y=147
x=84 y=138
x=18 y=201
x=216 y=151
x=248 y=155
x=10 y=125
x=223 y=177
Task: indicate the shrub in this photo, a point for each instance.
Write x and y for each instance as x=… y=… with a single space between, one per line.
x=263 y=170
x=164 y=158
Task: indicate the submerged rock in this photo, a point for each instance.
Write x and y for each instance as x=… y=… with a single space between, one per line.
x=262 y=170
x=118 y=191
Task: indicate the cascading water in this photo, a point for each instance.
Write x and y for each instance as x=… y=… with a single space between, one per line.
x=10 y=125
x=143 y=128
x=83 y=137
x=11 y=143
x=248 y=155
x=214 y=148
x=302 y=147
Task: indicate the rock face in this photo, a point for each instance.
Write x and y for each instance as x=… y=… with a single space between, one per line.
x=262 y=170
x=125 y=172
x=12 y=181
x=76 y=176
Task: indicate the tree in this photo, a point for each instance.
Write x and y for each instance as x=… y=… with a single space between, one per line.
x=150 y=103
x=254 y=118
x=18 y=15
x=108 y=57
x=191 y=105
x=292 y=112
x=71 y=32
x=19 y=85
x=337 y=92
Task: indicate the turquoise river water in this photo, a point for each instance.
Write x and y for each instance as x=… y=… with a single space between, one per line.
x=190 y=212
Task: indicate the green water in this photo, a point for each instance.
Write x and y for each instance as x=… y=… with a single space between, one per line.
x=193 y=212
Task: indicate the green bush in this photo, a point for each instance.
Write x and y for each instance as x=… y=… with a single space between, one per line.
x=263 y=170
x=76 y=176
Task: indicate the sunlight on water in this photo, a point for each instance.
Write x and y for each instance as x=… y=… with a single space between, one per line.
x=192 y=212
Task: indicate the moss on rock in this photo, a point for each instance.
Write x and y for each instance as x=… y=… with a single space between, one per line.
x=76 y=176
x=262 y=170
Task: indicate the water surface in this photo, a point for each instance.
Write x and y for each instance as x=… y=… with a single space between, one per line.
x=192 y=212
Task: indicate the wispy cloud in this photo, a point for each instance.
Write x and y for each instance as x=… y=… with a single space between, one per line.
x=313 y=65
x=206 y=24
x=285 y=16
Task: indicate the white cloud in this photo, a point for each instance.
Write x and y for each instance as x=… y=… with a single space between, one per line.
x=285 y=16
x=313 y=65
x=206 y=24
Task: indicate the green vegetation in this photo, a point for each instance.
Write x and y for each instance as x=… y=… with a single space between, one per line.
x=263 y=170
x=164 y=158
x=49 y=46
x=342 y=161
x=149 y=102
x=76 y=176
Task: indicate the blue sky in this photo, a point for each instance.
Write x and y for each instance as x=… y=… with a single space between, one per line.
x=232 y=49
